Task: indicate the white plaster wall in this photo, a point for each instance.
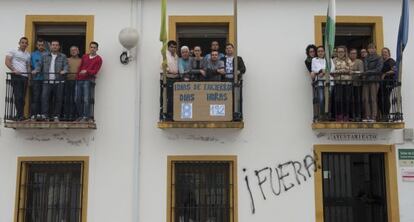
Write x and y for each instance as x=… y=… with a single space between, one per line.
x=111 y=146
x=277 y=107
x=277 y=103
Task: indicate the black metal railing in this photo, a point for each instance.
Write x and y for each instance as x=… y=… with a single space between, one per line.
x=167 y=96
x=47 y=97
x=357 y=98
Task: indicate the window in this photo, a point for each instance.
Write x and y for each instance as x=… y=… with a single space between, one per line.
x=356 y=183
x=353 y=31
x=202 y=35
x=67 y=34
x=190 y=100
x=199 y=30
x=346 y=104
x=51 y=189
x=68 y=29
x=352 y=36
x=202 y=189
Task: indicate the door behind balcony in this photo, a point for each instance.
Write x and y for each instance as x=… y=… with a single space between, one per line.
x=354 y=187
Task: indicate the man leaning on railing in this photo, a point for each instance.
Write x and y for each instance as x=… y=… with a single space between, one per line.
x=18 y=61
x=53 y=65
x=214 y=69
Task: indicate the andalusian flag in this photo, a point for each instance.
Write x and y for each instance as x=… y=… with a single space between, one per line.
x=330 y=34
x=329 y=47
x=402 y=36
x=163 y=33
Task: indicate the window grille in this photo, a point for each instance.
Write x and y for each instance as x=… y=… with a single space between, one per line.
x=202 y=192
x=52 y=192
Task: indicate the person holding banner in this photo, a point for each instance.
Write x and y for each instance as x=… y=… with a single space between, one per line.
x=197 y=65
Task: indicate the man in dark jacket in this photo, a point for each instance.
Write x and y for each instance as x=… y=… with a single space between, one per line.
x=228 y=61
x=372 y=65
x=53 y=65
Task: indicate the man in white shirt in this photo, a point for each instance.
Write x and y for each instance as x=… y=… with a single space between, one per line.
x=172 y=74
x=53 y=66
x=18 y=61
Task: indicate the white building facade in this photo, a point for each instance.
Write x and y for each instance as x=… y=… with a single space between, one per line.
x=128 y=158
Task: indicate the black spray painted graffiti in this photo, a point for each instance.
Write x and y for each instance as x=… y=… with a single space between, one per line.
x=299 y=170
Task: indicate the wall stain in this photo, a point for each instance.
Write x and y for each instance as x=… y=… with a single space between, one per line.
x=61 y=137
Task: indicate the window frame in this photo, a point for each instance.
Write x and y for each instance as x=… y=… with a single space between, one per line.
x=375 y=21
x=32 y=20
x=22 y=165
x=389 y=152
x=200 y=20
x=232 y=160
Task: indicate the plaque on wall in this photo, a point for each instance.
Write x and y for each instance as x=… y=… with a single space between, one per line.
x=203 y=101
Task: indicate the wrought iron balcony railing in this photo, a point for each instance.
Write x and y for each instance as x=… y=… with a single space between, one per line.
x=358 y=98
x=48 y=100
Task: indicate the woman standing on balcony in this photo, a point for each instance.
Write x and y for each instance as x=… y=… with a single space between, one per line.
x=197 y=64
x=357 y=68
x=386 y=85
x=310 y=54
x=319 y=70
x=343 y=86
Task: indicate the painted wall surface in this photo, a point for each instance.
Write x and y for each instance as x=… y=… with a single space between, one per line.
x=128 y=153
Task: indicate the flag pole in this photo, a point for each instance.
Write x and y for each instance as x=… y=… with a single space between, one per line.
x=163 y=39
x=329 y=46
x=236 y=102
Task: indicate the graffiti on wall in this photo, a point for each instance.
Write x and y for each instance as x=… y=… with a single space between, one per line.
x=281 y=177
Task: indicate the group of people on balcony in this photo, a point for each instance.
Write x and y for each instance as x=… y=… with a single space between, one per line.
x=60 y=87
x=358 y=89
x=192 y=66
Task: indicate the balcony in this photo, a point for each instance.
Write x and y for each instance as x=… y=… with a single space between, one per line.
x=48 y=103
x=357 y=103
x=200 y=104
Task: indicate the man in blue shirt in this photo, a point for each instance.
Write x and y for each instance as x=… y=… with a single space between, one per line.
x=36 y=83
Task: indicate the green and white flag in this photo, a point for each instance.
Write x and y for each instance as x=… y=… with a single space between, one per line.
x=330 y=34
x=329 y=47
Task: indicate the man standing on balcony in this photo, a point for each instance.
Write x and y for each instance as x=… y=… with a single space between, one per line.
x=37 y=81
x=214 y=47
x=228 y=61
x=18 y=61
x=214 y=69
x=53 y=66
x=90 y=65
x=172 y=76
x=373 y=66
x=69 y=107
x=184 y=63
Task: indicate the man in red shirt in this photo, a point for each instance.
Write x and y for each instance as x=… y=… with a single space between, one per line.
x=89 y=68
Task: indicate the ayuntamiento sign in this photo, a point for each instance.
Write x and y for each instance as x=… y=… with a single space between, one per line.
x=203 y=101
